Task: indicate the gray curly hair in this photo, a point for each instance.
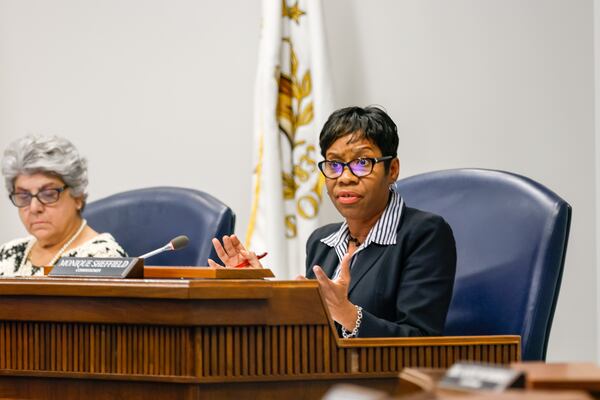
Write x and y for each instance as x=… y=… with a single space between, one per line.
x=48 y=155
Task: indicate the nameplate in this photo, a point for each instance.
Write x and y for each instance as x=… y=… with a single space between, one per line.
x=97 y=267
x=473 y=376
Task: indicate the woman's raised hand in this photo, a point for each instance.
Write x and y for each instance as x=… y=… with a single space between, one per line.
x=232 y=253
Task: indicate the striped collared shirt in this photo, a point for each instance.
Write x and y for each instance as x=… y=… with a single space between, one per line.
x=384 y=231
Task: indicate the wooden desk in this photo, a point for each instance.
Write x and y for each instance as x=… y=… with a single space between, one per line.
x=516 y=395
x=101 y=339
x=424 y=383
x=553 y=376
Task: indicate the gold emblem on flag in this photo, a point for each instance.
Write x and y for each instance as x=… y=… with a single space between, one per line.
x=294 y=110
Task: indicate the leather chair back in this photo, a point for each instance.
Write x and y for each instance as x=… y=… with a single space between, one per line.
x=511 y=236
x=145 y=219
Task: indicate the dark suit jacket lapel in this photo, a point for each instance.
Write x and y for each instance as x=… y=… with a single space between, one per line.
x=328 y=261
x=365 y=260
x=331 y=262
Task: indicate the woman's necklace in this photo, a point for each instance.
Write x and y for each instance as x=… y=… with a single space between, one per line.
x=354 y=240
x=69 y=242
x=62 y=249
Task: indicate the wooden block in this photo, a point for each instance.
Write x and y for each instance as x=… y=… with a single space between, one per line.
x=207 y=273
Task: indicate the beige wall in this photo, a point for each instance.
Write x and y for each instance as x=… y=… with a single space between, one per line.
x=159 y=92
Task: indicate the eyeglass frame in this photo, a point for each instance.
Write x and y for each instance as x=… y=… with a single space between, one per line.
x=36 y=196
x=374 y=161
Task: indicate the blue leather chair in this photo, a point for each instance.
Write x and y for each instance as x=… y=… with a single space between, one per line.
x=145 y=219
x=511 y=237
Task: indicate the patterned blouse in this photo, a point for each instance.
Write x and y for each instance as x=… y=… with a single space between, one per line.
x=14 y=252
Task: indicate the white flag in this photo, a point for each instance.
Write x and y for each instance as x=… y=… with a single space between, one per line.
x=293 y=98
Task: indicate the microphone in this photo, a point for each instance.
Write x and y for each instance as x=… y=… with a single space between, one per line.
x=175 y=244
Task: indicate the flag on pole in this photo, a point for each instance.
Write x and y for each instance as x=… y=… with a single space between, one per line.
x=293 y=98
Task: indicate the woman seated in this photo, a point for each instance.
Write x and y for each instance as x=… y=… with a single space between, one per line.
x=388 y=269
x=46 y=179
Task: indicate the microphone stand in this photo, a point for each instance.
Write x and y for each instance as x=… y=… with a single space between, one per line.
x=166 y=247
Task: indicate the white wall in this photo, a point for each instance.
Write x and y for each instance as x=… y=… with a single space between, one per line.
x=152 y=92
x=504 y=84
x=597 y=149
x=159 y=92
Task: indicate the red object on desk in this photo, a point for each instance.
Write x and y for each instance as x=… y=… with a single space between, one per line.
x=245 y=263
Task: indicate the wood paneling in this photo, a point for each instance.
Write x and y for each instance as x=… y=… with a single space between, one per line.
x=93 y=348
x=202 y=333
x=222 y=353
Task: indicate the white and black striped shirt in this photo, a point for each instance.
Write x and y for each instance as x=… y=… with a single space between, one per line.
x=384 y=231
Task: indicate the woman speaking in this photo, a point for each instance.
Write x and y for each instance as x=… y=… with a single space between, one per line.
x=387 y=269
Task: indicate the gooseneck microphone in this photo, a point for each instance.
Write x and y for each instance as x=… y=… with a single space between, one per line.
x=175 y=244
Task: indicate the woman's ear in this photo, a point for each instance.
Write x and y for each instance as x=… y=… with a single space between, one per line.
x=394 y=170
x=79 y=203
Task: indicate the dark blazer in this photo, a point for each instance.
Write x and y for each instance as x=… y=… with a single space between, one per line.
x=404 y=289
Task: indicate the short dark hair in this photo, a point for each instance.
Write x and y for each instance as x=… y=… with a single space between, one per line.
x=371 y=123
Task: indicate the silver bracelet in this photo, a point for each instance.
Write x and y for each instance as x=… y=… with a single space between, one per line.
x=354 y=333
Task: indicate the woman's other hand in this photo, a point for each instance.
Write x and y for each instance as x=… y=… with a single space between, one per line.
x=335 y=293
